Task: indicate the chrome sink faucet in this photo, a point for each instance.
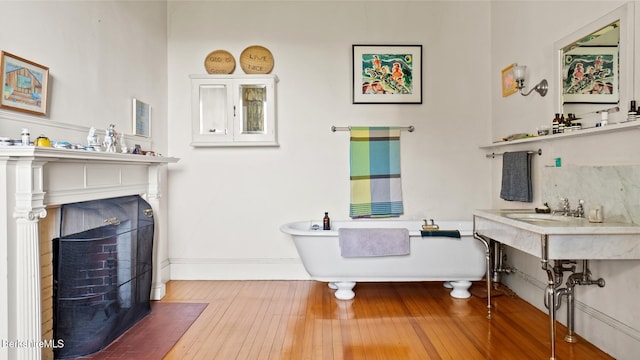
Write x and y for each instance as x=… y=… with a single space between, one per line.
x=566 y=208
x=580 y=209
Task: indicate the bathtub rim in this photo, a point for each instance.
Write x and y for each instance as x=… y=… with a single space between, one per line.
x=303 y=227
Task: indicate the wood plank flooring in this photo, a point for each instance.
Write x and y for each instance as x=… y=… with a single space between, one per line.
x=303 y=320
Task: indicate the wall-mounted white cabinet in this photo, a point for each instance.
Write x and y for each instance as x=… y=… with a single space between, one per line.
x=233 y=110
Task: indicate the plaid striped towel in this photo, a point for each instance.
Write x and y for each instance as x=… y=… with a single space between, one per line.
x=376 y=189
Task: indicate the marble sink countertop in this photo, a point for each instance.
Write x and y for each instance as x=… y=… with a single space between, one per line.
x=562 y=226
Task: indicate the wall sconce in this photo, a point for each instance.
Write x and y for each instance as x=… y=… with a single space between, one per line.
x=518 y=73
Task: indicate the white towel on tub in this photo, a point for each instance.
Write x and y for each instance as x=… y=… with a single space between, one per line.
x=360 y=242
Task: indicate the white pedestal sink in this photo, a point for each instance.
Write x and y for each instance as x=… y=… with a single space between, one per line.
x=555 y=237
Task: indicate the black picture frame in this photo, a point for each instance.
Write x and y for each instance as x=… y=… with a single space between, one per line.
x=387 y=74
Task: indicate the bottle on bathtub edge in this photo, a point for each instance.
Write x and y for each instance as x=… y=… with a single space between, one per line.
x=326 y=222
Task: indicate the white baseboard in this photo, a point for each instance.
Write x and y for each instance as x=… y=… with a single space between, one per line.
x=237 y=269
x=165 y=270
x=159 y=289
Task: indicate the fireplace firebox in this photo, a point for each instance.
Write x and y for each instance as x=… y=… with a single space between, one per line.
x=102 y=271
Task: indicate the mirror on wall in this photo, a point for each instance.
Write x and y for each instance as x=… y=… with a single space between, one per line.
x=595 y=68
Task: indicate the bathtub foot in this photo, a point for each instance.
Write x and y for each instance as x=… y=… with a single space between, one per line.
x=344 y=289
x=460 y=289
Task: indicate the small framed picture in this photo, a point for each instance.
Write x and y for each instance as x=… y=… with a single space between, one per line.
x=24 y=84
x=137 y=149
x=508 y=81
x=387 y=74
x=141 y=118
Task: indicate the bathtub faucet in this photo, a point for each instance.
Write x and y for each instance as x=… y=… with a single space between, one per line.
x=430 y=225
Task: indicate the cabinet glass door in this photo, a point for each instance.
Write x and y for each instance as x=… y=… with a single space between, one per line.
x=213 y=109
x=253 y=103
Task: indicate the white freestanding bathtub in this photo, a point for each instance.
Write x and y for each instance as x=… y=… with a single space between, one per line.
x=457 y=261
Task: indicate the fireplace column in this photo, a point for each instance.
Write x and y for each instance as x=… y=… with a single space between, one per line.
x=29 y=209
x=153 y=197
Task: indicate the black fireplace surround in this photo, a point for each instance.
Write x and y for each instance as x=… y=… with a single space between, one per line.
x=102 y=265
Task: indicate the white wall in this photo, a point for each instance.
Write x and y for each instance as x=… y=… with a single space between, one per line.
x=607 y=317
x=100 y=55
x=227 y=204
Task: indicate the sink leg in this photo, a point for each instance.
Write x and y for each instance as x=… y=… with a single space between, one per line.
x=488 y=261
x=550 y=292
x=487 y=254
x=570 y=336
x=551 y=300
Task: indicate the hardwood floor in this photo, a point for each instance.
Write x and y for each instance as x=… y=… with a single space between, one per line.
x=303 y=320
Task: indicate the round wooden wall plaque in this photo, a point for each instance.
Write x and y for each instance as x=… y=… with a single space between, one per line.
x=256 y=60
x=220 y=62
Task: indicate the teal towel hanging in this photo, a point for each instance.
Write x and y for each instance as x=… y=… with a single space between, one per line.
x=446 y=233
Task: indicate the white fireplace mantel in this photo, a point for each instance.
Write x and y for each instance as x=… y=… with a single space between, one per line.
x=35 y=178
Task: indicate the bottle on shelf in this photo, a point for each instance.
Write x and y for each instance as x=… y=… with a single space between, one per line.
x=555 y=123
x=604 y=118
x=633 y=112
x=568 y=124
x=561 y=124
x=326 y=222
x=25 y=136
x=575 y=124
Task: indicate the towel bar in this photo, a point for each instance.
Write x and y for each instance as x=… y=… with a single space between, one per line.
x=493 y=155
x=334 y=128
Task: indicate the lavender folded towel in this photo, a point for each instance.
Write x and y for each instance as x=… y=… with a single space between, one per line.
x=357 y=242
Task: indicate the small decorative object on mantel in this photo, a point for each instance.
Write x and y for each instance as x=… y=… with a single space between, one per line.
x=123 y=145
x=220 y=62
x=256 y=60
x=92 y=140
x=110 y=140
x=42 y=141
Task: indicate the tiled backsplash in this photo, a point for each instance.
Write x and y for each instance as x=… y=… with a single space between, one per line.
x=616 y=188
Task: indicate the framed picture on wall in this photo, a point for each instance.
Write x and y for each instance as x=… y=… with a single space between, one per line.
x=508 y=81
x=590 y=75
x=387 y=74
x=24 y=84
x=141 y=118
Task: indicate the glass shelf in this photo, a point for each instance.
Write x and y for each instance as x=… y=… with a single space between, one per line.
x=584 y=132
